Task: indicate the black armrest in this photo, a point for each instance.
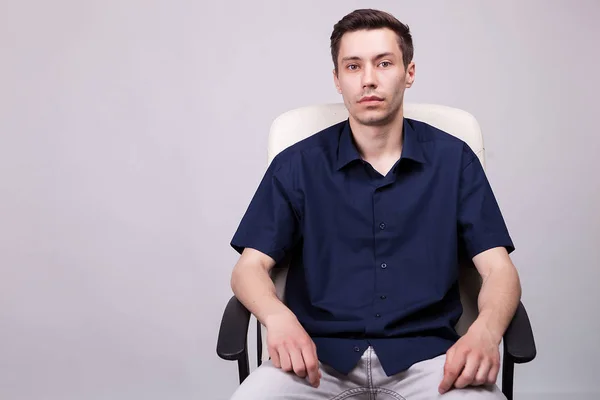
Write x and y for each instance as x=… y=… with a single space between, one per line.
x=233 y=333
x=518 y=338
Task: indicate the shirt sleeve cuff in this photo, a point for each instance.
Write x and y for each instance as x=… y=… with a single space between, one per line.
x=489 y=241
x=275 y=254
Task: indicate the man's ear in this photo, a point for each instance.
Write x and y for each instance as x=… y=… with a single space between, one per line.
x=410 y=74
x=336 y=81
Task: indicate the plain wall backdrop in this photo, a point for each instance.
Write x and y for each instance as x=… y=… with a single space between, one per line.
x=133 y=135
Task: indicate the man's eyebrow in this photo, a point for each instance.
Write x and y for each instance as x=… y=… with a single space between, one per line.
x=356 y=58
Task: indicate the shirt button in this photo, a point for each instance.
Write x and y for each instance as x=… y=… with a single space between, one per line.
x=382 y=226
x=356 y=349
x=378 y=315
x=383 y=297
x=384 y=265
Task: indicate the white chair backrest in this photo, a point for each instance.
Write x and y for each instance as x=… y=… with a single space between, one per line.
x=295 y=125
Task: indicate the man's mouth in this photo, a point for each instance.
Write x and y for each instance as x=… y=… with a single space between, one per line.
x=369 y=99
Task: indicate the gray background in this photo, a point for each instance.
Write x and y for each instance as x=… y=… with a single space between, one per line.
x=133 y=135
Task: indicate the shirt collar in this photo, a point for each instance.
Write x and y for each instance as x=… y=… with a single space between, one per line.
x=411 y=149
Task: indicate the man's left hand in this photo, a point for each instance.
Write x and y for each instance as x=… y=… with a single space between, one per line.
x=473 y=360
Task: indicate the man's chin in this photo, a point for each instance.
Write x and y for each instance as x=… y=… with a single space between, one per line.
x=373 y=118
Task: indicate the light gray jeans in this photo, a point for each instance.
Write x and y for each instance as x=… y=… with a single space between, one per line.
x=366 y=381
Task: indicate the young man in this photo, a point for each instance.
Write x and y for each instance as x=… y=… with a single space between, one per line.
x=375 y=212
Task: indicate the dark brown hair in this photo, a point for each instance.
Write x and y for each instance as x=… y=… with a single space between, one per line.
x=371 y=19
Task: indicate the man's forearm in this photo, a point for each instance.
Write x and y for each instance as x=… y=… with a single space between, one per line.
x=498 y=300
x=254 y=288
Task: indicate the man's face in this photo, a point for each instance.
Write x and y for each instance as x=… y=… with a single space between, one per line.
x=371 y=76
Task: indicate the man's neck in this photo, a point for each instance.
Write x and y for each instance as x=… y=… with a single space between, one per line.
x=380 y=146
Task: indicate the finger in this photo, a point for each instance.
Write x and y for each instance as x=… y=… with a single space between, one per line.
x=455 y=362
x=481 y=376
x=297 y=362
x=493 y=374
x=468 y=374
x=275 y=357
x=284 y=359
x=312 y=365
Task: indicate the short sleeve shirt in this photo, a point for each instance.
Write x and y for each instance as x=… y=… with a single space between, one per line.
x=374 y=259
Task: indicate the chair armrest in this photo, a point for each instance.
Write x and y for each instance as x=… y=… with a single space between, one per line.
x=233 y=333
x=518 y=338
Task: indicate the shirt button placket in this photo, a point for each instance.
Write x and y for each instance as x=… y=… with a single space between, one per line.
x=378 y=238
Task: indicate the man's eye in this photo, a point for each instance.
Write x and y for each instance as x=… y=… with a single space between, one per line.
x=352 y=67
x=385 y=64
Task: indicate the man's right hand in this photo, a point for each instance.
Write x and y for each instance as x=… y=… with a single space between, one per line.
x=290 y=347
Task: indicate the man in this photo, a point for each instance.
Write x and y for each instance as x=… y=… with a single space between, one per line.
x=375 y=213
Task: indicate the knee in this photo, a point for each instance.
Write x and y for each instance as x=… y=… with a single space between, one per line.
x=264 y=380
x=489 y=392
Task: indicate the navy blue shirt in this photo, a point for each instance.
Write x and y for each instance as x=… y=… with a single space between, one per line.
x=374 y=259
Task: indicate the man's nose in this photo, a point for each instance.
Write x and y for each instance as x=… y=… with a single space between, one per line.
x=368 y=77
